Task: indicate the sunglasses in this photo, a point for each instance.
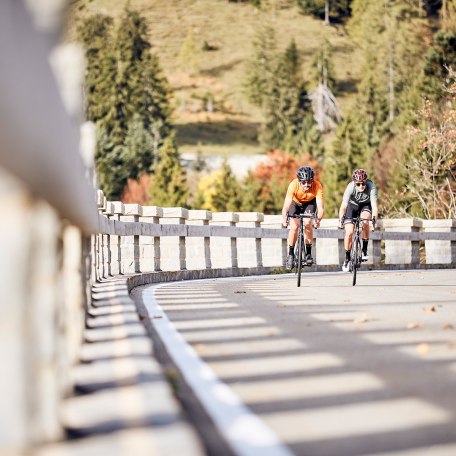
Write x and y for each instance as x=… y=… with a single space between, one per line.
x=360 y=184
x=307 y=183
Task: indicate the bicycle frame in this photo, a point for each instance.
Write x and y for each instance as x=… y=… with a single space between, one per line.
x=299 y=246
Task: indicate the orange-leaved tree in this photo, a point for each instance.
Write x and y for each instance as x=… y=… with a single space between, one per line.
x=266 y=186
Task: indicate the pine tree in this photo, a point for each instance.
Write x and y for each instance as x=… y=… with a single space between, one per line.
x=95 y=33
x=287 y=105
x=131 y=48
x=154 y=101
x=349 y=151
x=139 y=148
x=169 y=183
x=189 y=55
x=322 y=68
x=251 y=194
x=125 y=87
x=110 y=165
x=226 y=190
x=261 y=67
x=440 y=57
x=338 y=9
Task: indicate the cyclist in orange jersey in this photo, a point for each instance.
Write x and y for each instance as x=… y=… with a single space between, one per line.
x=304 y=196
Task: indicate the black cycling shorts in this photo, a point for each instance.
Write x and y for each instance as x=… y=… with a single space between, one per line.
x=355 y=209
x=309 y=207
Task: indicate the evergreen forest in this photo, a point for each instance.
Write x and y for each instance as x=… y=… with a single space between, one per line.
x=333 y=84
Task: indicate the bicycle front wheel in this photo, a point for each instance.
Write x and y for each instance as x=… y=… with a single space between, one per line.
x=299 y=256
x=356 y=257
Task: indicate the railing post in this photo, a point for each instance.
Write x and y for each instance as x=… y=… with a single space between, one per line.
x=99 y=245
x=274 y=251
x=130 y=244
x=108 y=212
x=118 y=210
x=402 y=252
x=375 y=247
x=150 y=246
x=440 y=252
x=250 y=248
x=224 y=250
x=198 y=249
x=173 y=255
x=329 y=251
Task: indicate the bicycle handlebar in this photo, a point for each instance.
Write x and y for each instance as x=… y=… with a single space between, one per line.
x=360 y=219
x=303 y=216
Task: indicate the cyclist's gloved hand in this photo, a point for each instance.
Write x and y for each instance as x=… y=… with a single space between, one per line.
x=374 y=222
x=285 y=220
x=341 y=222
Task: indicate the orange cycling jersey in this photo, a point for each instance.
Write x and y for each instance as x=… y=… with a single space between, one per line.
x=300 y=196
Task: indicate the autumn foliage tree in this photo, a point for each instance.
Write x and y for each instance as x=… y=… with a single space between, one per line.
x=430 y=165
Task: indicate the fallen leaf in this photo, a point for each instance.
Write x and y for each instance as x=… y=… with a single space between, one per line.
x=414 y=325
x=423 y=349
x=155 y=317
x=447 y=326
x=362 y=319
x=240 y=291
x=430 y=309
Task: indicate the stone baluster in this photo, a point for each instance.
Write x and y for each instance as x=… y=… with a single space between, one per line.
x=198 y=249
x=150 y=246
x=173 y=255
x=250 y=249
x=329 y=251
x=402 y=252
x=440 y=252
x=108 y=212
x=274 y=250
x=374 y=248
x=224 y=250
x=118 y=210
x=99 y=243
x=129 y=262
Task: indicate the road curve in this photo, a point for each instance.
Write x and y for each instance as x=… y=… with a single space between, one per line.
x=325 y=369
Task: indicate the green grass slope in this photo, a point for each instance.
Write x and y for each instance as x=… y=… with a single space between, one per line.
x=228 y=28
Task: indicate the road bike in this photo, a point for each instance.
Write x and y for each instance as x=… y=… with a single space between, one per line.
x=299 y=252
x=356 y=253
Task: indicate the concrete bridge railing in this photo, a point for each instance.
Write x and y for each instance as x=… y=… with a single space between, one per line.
x=136 y=239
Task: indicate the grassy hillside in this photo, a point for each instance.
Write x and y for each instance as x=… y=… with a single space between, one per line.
x=228 y=29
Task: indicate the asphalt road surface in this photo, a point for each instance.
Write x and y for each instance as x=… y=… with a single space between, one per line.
x=325 y=369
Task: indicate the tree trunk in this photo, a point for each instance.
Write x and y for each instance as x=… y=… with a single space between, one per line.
x=327 y=8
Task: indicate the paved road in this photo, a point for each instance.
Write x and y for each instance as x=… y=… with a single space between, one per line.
x=326 y=369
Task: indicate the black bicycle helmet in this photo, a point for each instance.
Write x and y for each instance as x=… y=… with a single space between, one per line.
x=305 y=173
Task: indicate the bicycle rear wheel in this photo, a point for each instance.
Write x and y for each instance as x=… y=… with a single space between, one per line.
x=299 y=255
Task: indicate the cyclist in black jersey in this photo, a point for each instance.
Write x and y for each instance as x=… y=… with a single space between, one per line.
x=360 y=198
